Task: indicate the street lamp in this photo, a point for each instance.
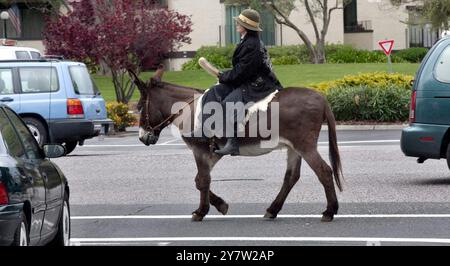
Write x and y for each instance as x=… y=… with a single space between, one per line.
x=4 y=16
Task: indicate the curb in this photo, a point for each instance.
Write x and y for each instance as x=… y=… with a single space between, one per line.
x=367 y=127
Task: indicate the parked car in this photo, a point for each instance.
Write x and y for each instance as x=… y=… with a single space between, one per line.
x=57 y=99
x=428 y=134
x=34 y=193
x=17 y=52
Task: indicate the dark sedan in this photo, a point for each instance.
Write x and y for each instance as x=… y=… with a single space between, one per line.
x=34 y=194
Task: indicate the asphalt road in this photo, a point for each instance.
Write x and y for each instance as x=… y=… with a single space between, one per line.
x=124 y=193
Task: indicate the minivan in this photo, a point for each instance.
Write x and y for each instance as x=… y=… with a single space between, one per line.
x=428 y=134
x=57 y=99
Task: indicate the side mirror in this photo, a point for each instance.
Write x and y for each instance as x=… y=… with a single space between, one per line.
x=54 y=150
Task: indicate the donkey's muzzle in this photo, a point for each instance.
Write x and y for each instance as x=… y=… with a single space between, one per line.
x=149 y=139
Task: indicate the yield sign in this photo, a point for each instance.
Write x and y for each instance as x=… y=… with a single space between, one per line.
x=387 y=46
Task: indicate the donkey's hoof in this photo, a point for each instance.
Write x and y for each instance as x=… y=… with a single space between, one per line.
x=196 y=217
x=223 y=208
x=326 y=218
x=268 y=215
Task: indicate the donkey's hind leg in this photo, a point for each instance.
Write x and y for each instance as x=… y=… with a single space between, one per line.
x=325 y=175
x=291 y=177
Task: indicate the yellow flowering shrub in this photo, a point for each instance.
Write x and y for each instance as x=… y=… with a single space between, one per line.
x=372 y=79
x=119 y=113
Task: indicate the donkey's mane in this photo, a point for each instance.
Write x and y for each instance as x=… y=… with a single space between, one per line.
x=176 y=86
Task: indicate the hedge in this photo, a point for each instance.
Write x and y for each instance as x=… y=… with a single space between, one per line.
x=298 y=54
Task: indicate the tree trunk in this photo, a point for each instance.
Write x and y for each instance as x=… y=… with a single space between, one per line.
x=118 y=87
x=320 y=52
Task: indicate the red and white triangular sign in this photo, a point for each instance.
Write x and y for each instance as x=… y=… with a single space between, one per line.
x=387 y=46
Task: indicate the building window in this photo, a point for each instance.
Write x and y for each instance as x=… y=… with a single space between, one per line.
x=267 y=24
x=421 y=34
x=350 y=16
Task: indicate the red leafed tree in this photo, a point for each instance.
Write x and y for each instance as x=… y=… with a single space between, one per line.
x=122 y=34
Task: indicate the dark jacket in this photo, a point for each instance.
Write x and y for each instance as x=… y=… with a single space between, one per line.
x=252 y=70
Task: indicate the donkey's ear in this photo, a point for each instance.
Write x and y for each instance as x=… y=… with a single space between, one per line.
x=159 y=73
x=134 y=77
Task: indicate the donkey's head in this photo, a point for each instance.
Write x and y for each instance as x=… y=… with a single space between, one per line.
x=150 y=115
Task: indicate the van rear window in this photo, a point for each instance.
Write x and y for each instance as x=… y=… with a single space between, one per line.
x=81 y=81
x=442 y=68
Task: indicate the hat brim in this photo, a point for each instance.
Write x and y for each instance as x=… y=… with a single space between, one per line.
x=245 y=25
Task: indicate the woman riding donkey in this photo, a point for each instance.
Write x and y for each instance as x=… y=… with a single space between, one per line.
x=251 y=78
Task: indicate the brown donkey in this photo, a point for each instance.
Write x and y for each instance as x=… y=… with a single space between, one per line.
x=301 y=114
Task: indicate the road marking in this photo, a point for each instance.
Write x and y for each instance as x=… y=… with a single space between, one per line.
x=78 y=241
x=346 y=216
x=169 y=143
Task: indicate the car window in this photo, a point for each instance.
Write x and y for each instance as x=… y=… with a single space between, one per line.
x=10 y=137
x=35 y=55
x=22 y=55
x=38 y=79
x=29 y=142
x=6 y=81
x=442 y=68
x=81 y=80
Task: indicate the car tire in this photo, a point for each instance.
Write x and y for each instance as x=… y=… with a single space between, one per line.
x=38 y=130
x=70 y=146
x=448 y=155
x=62 y=237
x=21 y=236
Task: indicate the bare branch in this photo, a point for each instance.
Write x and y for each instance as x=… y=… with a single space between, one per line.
x=313 y=19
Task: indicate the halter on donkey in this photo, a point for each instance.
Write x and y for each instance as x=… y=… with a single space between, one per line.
x=301 y=114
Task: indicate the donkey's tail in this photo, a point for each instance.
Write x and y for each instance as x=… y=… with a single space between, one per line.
x=335 y=158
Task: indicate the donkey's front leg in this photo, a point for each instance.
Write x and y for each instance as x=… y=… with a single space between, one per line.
x=205 y=161
x=202 y=182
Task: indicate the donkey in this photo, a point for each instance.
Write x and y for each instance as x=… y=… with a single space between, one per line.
x=301 y=114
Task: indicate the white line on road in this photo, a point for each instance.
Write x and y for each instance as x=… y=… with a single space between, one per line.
x=169 y=143
x=74 y=241
x=260 y=216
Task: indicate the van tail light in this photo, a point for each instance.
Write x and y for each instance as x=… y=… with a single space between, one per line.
x=412 y=112
x=3 y=194
x=75 y=108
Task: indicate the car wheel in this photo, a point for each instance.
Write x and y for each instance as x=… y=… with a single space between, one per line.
x=62 y=237
x=448 y=156
x=37 y=129
x=21 y=237
x=70 y=146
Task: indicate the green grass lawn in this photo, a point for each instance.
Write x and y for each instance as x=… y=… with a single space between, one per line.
x=289 y=75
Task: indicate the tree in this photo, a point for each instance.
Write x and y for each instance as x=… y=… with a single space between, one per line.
x=435 y=11
x=123 y=34
x=319 y=13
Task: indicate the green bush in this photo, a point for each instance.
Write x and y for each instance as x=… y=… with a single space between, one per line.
x=363 y=103
x=118 y=113
x=286 y=60
x=412 y=55
x=218 y=56
x=280 y=54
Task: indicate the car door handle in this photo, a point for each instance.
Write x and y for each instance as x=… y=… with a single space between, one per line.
x=6 y=99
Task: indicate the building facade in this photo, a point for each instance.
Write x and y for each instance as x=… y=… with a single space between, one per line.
x=362 y=23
